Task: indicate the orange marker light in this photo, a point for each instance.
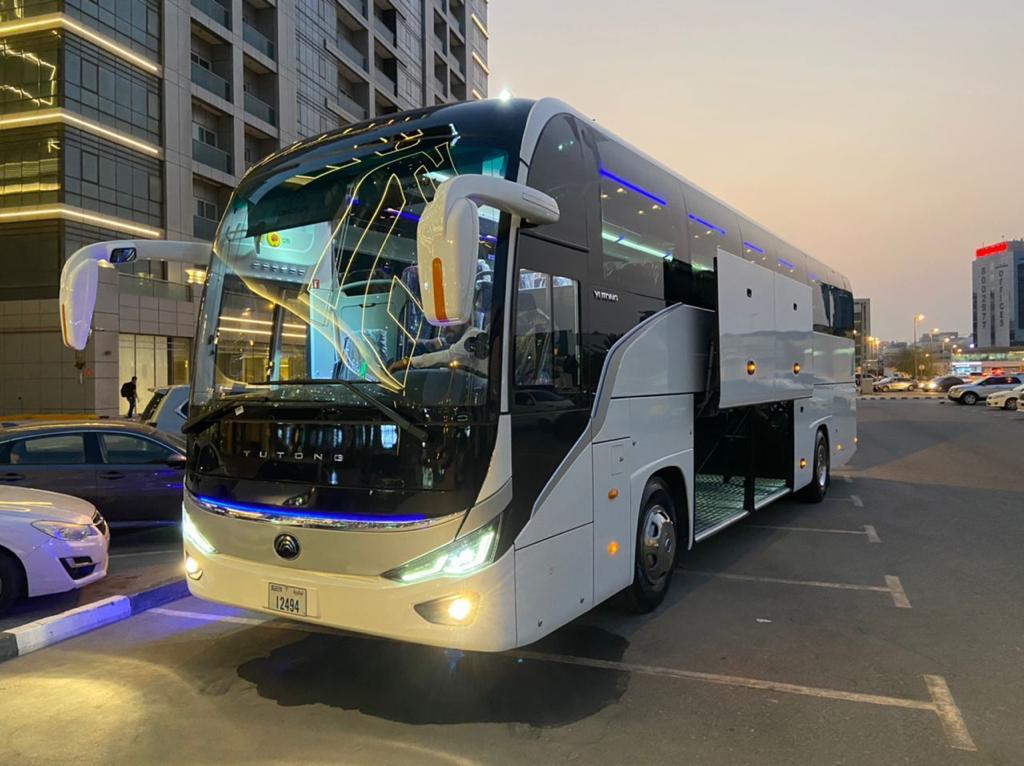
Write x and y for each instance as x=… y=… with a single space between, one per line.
x=803 y=463
x=751 y=367
x=613 y=493
x=613 y=547
x=796 y=368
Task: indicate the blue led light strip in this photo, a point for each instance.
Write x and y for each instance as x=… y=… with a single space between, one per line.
x=634 y=187
x=311 y=515
x=753 y=247
x=710 y=225
x=786 y=264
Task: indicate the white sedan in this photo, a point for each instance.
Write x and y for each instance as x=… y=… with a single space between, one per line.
x=49 y=543
x=1006 y=400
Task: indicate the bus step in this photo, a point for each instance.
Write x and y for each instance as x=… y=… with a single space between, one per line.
x=719 y=501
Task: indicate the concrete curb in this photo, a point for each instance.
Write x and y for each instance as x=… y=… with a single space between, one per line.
x=74 y=622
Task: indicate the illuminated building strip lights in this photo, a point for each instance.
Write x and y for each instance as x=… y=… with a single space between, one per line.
x=1002 y=247
x=60 y=21
x=75 y=214
x=753 y=247
x=17 y=188
x=62 y=115
x=710 y=225
x=476 y=94
x=634 y=187
x=480 y=25
x=480 y=61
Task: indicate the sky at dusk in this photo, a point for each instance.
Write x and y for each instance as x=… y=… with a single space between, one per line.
x=885 y=138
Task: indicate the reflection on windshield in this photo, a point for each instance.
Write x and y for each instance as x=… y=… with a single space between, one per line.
x=314 y=277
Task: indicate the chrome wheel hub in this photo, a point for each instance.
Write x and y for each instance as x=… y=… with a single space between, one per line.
x=658 y=544
x=822 y=466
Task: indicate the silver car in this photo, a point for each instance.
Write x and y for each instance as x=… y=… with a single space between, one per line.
x=979 y=390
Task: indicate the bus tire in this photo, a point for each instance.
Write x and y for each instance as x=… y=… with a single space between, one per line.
x=11 y=580
x=656 y=547
x=821 y=475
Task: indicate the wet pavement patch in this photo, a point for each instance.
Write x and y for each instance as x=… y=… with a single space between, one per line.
x=415 y=684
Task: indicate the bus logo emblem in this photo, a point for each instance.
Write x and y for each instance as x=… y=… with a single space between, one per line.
x=286 y=546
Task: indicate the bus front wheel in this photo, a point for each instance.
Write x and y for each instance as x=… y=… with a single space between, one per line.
x=656 y=545
x=822 y=474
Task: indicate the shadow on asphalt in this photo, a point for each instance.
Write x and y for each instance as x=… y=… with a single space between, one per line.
x=415 y=684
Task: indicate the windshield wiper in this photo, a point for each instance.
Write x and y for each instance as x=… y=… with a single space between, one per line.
x=393 y=415
x=206 y=419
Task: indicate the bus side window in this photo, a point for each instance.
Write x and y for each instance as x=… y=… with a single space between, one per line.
x=557 y=169
x=547 y=338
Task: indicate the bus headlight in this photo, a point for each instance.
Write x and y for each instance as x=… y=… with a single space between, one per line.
x=191 y=534
x=456 y=559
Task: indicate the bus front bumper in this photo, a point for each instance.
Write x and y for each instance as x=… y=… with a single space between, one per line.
x=374 y=606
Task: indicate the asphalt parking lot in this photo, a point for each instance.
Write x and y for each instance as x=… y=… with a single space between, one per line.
x=882 y=626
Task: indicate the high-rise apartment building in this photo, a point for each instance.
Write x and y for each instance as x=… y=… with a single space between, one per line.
x=136 y=118
x=998 y=295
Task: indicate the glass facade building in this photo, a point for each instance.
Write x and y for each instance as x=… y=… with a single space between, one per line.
x=136 y=118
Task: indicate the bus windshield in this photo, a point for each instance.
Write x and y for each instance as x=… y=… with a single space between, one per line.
x=313 y=289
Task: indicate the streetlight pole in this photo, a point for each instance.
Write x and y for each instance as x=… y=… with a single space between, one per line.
x=917 y=318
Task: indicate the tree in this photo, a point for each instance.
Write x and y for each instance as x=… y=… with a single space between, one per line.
x=925 y=364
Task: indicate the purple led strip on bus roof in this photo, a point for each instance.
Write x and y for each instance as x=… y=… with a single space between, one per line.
x=638 y=189
x=753 y=247
x=710 y=225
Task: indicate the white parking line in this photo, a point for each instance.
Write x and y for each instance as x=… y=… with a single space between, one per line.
x=868 y=531
x=857 y=502
x=942 y=704
x=892 y=584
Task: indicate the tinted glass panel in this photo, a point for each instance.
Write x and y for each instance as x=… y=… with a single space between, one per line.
x=547 y=339
x=641 y=213
x=558 y=169
x=63 y=449
x=123 y=449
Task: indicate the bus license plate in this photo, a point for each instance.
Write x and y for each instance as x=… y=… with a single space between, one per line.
x=285 y=598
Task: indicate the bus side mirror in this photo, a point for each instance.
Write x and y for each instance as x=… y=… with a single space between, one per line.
x=80 y=276
x=448 y=239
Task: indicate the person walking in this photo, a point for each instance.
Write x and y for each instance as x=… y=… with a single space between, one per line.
x=130 y=392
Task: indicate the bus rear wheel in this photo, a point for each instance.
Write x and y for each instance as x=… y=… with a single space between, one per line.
x=656 y=546
x=821 y=476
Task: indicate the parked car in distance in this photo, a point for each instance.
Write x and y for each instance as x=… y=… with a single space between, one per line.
x=896 y=384
x=971 y=393
x=131 y=472
x=49 y=543
x=943 y=383
x=1006 y=400
x=167 y=409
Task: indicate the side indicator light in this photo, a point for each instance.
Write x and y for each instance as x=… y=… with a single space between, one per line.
x=803 y=463
x=751 y=367
x=856 y=440
x=613 y=493
x=613 y=547
x=796 y=368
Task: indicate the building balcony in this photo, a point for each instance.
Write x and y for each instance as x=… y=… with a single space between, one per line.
x=359 y=6
x=258 y=40
x=204 y=228
x=259 y=108
x=211 y=82
x=353 y=107
x=386 y=83
x=355 y=55
x=386 y=33
x=215 y=11
x=208 y=154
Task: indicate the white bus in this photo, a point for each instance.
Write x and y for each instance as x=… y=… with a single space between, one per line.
x=463 y=373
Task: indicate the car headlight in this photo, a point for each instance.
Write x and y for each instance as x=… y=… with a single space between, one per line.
x=64 y=531
x=456 y=559
x=191 y=534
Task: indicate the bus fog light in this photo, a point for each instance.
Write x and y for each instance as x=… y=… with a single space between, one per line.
x=192 y=568
x=452 y=610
